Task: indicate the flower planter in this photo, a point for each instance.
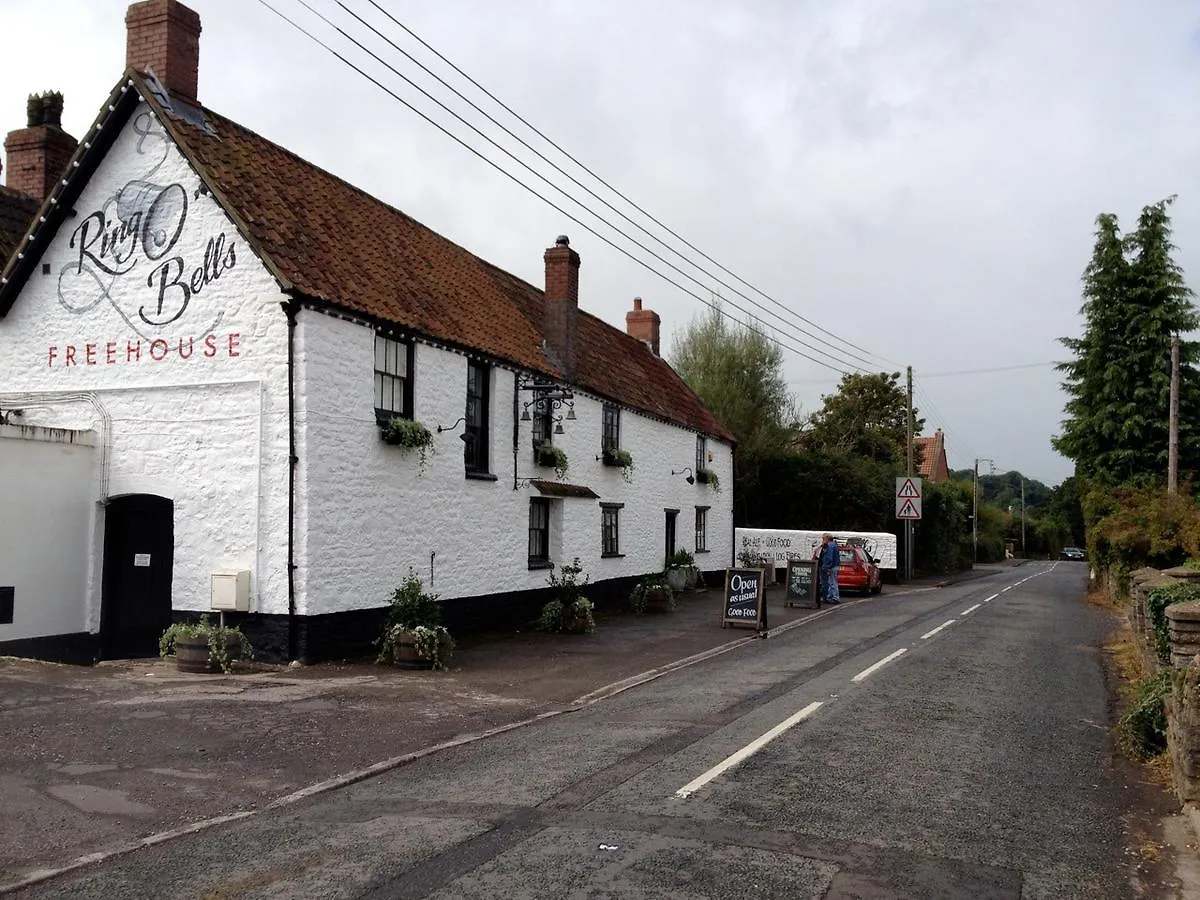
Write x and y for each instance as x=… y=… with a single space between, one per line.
x=193 y=654
x=405 y=655
x=677 y=578
x=575 y=624
x=657 y=601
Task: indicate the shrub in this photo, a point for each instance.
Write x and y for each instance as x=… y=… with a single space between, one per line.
x=1143 y=729
x=411 y=607
x=658 y=582
x=569 y=601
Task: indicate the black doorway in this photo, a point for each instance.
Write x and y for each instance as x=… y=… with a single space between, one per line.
x=139 y=547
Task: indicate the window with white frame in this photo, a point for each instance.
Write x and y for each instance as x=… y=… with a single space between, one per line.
x=393 y=378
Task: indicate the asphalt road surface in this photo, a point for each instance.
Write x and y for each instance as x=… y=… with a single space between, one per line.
x=951 y=743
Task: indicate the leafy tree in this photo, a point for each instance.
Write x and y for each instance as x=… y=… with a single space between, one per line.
x=867 y=417
x=737 y=372
x=1134 y=300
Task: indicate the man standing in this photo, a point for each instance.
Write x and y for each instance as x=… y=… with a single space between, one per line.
x=828 y=561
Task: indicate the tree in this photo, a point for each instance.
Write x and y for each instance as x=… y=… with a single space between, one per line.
x=1134 y=301
x=867 y=417
x=737 y=372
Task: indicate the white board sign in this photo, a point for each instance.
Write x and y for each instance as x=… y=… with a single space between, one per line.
x=778 y=546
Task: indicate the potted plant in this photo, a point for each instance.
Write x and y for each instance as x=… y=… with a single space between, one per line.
x=570 y=612
x=621 y=459
x=652 y=595
x=409 y=434
x=413 y=635
x=709 y=477
x=552 y=457
x=204 y=646
x=681 y=570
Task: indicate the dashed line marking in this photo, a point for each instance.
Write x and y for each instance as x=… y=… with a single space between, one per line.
x=746 y=752
x=1007 y=589
x=869 y=670
x=991 y=598
x=927 y=635
x=969 y=610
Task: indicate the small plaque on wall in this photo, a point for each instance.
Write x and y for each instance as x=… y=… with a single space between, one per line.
x=141 y=560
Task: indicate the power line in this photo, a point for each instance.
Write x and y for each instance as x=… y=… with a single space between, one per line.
x=556 y=167
x=927 y=401
x=1037 y=365
x=545 y=199
x=594 y=175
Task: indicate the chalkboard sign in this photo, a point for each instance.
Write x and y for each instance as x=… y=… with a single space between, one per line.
x=744 y=603
x=802 y=583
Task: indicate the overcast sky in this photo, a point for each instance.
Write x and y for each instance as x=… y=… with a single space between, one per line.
x=919 y=177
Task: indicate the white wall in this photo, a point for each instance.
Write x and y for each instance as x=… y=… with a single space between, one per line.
x=367 y=512
x=166 y=337
x=47 y=517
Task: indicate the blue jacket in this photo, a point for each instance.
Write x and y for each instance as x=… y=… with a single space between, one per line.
x=831 y=557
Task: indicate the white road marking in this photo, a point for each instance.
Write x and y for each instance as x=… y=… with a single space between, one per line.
x=879 y=665
x=927 y=635
x=967 y=612
x=1007 y=589
x=991 y=598
x=746 y=752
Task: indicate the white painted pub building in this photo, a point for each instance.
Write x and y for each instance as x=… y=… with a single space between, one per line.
x=201 y=336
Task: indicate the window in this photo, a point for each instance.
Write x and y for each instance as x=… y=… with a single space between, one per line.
x=701 y=529
x=701 y=453
x=610 y=434
x=670 y=543
x=539 y=533
x=475 y=437
x=610 y=529
x=543 y=423
x=393 y=378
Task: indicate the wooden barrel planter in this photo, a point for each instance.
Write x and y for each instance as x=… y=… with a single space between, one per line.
x=192 y=654
x=404 y=652
x=658 y=600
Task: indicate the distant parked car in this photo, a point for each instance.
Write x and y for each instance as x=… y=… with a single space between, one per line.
x=1072 y=553
x=857 y=571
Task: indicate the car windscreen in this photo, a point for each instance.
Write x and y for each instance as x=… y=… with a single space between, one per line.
x=847 y=556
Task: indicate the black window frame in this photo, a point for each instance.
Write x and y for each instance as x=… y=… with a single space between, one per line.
x=387 y=377
x=478 y=417
x=610 y=530
x=539 y=532
x=610 y=428
x=542 y=425
x=701 y=453
x=702 y=529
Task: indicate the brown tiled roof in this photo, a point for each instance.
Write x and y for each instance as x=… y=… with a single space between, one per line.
x=16 y=212
x=932 y=452
x=337 y=244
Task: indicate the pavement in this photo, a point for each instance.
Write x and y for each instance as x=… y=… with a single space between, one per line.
x=99 y=761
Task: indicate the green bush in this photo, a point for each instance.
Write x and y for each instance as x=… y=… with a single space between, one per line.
x=1143 y=729
x=1157 y=602
x=411 y=607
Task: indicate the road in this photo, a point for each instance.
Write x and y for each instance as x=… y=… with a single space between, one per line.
x=949 y=743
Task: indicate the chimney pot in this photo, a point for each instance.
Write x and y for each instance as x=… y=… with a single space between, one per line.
x=637 y=303
x=38 y=153
x=562 y=241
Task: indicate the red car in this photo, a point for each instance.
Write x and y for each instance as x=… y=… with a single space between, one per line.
x=857 y=571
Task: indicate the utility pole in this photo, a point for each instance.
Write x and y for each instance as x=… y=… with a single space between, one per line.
x=975 y=514
x=908 y=528
x=1173 y=432
x=1022 y=515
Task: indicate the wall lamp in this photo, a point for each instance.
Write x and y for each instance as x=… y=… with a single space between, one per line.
x=690 y=478
x=464 y=437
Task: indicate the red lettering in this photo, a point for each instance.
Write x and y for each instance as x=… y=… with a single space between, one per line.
x=160 y=345
x=110 y=352
x=90 y=354
x=133 y=350
x=210 y=346
x=70 y=355
x=50 y=356
x=191 y=342
x=234 y=343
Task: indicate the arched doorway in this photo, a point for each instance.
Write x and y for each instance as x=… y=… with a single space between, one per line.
x=139 y=547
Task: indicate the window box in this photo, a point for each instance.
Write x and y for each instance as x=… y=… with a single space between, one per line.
x=621 y=459
x=408 y=434
x=709 y=477
x=551 y=457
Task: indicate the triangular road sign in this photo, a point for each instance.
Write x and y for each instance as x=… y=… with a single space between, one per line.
x=908 y=510
x=909 y=490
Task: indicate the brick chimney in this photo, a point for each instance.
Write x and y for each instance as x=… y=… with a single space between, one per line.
x=643 y=324
x=38 y=153
x=562 y=304
x=164 y=35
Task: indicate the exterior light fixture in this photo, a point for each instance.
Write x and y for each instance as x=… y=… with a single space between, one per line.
x=690 y=478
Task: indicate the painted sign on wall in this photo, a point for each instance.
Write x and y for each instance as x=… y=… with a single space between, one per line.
x=139 y=253
x=776 y=547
